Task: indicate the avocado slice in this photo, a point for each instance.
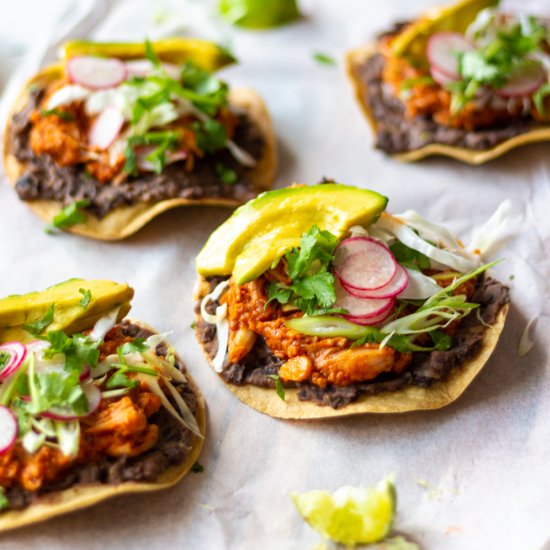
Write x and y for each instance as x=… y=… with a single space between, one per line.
x=412 y=41
x=207 y=55
x=69 y=314
x=262 y=230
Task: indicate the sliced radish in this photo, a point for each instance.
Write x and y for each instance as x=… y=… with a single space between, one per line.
x=392 y=289
x=17 y=353
x=523 y=81
x=96 y=72
x=143 y=67
x=364 y=263
x=86 y=371
x=440 y=77
x=360 y=308
x=442 y=52
x=147 y=166
x=8 y=429
x=106 y=128
x=93 y=393
x=371 y=320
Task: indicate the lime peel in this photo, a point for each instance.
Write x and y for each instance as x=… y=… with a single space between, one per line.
x=350 y=515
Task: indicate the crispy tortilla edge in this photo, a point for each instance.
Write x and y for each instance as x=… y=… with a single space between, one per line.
x=469 y=156
x=409 y=399
x=83 y=496
x=125 y=221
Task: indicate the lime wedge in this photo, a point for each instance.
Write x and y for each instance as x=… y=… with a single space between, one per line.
x=351 y=515
x=259 y=14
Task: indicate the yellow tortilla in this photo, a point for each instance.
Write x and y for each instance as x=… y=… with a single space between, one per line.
x=83 y=496
x=127 y=220
x=408 y=399
x=356 y=57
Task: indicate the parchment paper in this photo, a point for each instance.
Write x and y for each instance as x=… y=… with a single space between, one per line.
x=486 y=458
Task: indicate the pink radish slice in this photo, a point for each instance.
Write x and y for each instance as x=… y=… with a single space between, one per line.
x=17 y=353
x=523 y=81
x=147 y=166
x=96 y=72
x=143 y=67
x=8 y=429
x=442 y=52
x=362 y=308
x=93 y=393
x=364 y=263
x=371 y=320
x=85 y=373
x=392 y=289
x=106 y=128
x=441 y=78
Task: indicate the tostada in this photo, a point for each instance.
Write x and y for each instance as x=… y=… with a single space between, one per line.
x=92 y=404
x=118 y=133
x=343 y=308
x=469 y=81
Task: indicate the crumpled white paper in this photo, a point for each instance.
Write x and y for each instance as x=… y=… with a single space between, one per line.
x=485 y=458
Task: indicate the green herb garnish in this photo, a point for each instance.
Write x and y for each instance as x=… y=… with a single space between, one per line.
x=86 y=297
x=410 y=258
x=324 y=59
x=120 y=379
x=69 y=216
x=150 y=54
x=38 y=326
x=79 y=350
x=4 y=502
x=197 y=468
x=279 y=388
x=63 y=115
x=312 y=287
x=211 y=135
x=226 y=175
x=164 y=142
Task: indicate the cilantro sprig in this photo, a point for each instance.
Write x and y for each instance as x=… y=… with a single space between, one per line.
x=36 y=327
x=163 y=141
x=69 y=216
x=312 y=287
x=497 y=60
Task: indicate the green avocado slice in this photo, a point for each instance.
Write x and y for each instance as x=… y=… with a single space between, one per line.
x=68 y=314
x=207 y=55
x=262 y=230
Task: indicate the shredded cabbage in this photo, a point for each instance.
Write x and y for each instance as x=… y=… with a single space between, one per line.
x=104 y=325
x=419 y=287
x=68 y=436
x=527 y=340
x=456 y=258
x=486 y=238
x=67 y=95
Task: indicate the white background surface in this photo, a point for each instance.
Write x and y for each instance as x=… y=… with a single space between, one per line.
x=488 y=454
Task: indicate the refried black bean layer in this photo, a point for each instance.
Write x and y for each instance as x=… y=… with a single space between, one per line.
x=397 y=133
x=426 y=368
x=44 y=179
x=172 y=448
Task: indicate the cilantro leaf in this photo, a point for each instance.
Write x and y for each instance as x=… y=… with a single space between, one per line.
x=86 y=297
x=150 y=54
x=279 y=388
x=120 y=379
x=78 y=350
x=197 y=468
x=409 y=257
x=441 y=340
x=63 y=115
x=38 y=326
x=539 y=98
x=226 y=175
x=4 y=502
x=163 y=140
x=69 y=216
x=312 y=287
x=211 y=135
x=137 y=344
x=324 y=59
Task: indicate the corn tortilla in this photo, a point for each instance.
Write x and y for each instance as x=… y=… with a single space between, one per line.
x=357 y=57
x=127 y=220
x=82 y=496
x=408 y=399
